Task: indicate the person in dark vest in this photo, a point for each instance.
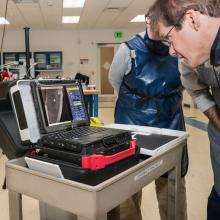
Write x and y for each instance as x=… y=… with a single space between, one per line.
x=149 y=89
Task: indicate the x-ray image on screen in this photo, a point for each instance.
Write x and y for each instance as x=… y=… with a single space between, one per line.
x=54 y=105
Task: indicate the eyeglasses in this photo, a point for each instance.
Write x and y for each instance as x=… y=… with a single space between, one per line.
x=166 y=39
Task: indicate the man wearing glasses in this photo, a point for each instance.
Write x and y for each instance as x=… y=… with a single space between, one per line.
x=192 y=30
x=149 y=90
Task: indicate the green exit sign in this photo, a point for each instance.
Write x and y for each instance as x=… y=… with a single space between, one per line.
x=118 y=34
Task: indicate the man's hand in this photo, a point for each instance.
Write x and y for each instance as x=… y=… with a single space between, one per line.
x=214 y=116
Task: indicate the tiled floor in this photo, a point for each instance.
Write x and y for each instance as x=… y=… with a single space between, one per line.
x=198 y=180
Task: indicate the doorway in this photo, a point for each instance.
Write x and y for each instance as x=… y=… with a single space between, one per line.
x=106 y=54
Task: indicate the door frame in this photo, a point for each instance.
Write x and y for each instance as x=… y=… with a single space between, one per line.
x=99 y=45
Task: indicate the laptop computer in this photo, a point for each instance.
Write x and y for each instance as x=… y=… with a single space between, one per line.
x=64 y=121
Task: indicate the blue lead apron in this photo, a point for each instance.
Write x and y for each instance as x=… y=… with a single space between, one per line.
x=151 y=93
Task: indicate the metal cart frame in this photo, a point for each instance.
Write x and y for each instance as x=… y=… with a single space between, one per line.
x=93 y=202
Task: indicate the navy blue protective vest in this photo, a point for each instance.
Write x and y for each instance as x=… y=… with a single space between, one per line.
x=151 y=94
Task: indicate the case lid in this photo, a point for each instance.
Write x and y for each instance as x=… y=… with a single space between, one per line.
x=44 y=106
x=24 y=111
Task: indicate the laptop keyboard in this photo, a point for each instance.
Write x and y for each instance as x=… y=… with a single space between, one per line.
x=76 y=133
x=63 y=139
x=103 y=139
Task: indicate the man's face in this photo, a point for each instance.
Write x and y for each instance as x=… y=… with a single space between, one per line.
x=187 y=43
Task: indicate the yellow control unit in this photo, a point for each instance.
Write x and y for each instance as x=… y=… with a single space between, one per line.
x=96 y=122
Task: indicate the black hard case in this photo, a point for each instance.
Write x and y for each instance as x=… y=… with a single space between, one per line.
x=74 y=171
x=10 y=142
x=12 y=147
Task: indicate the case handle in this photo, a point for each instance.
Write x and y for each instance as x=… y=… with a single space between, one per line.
x=97 y=162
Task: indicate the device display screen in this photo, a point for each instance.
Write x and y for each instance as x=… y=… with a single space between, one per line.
x=54 y=105
x=62 y=104
x=76 y=104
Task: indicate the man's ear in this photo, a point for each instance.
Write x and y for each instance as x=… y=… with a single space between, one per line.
x=192 y=19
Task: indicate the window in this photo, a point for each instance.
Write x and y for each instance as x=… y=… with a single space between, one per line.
x=9 y=57
x=48 y=60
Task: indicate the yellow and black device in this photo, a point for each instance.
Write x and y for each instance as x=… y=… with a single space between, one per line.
x=96 y=122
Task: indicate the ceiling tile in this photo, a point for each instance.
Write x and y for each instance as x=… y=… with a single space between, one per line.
x=93 y=15
x=32 y=15
x=106 y=19
x=119 y=3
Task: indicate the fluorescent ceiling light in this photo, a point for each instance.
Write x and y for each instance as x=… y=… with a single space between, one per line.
x=71 y=19
x=138 y=18
x=3 y=21
x=73 y=3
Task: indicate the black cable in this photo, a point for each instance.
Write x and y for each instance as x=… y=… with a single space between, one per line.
x=216 y=77
x=3 y=34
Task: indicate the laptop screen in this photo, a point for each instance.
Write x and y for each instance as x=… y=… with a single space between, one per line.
x=75 y=103
x=54 y=105
x=62 y=105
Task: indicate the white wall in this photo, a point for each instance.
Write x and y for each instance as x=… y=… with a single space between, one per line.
x=74 y=44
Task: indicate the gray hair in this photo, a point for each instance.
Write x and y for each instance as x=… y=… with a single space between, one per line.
x=171 y=12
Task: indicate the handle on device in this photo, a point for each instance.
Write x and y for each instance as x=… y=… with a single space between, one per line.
x=97 y=162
